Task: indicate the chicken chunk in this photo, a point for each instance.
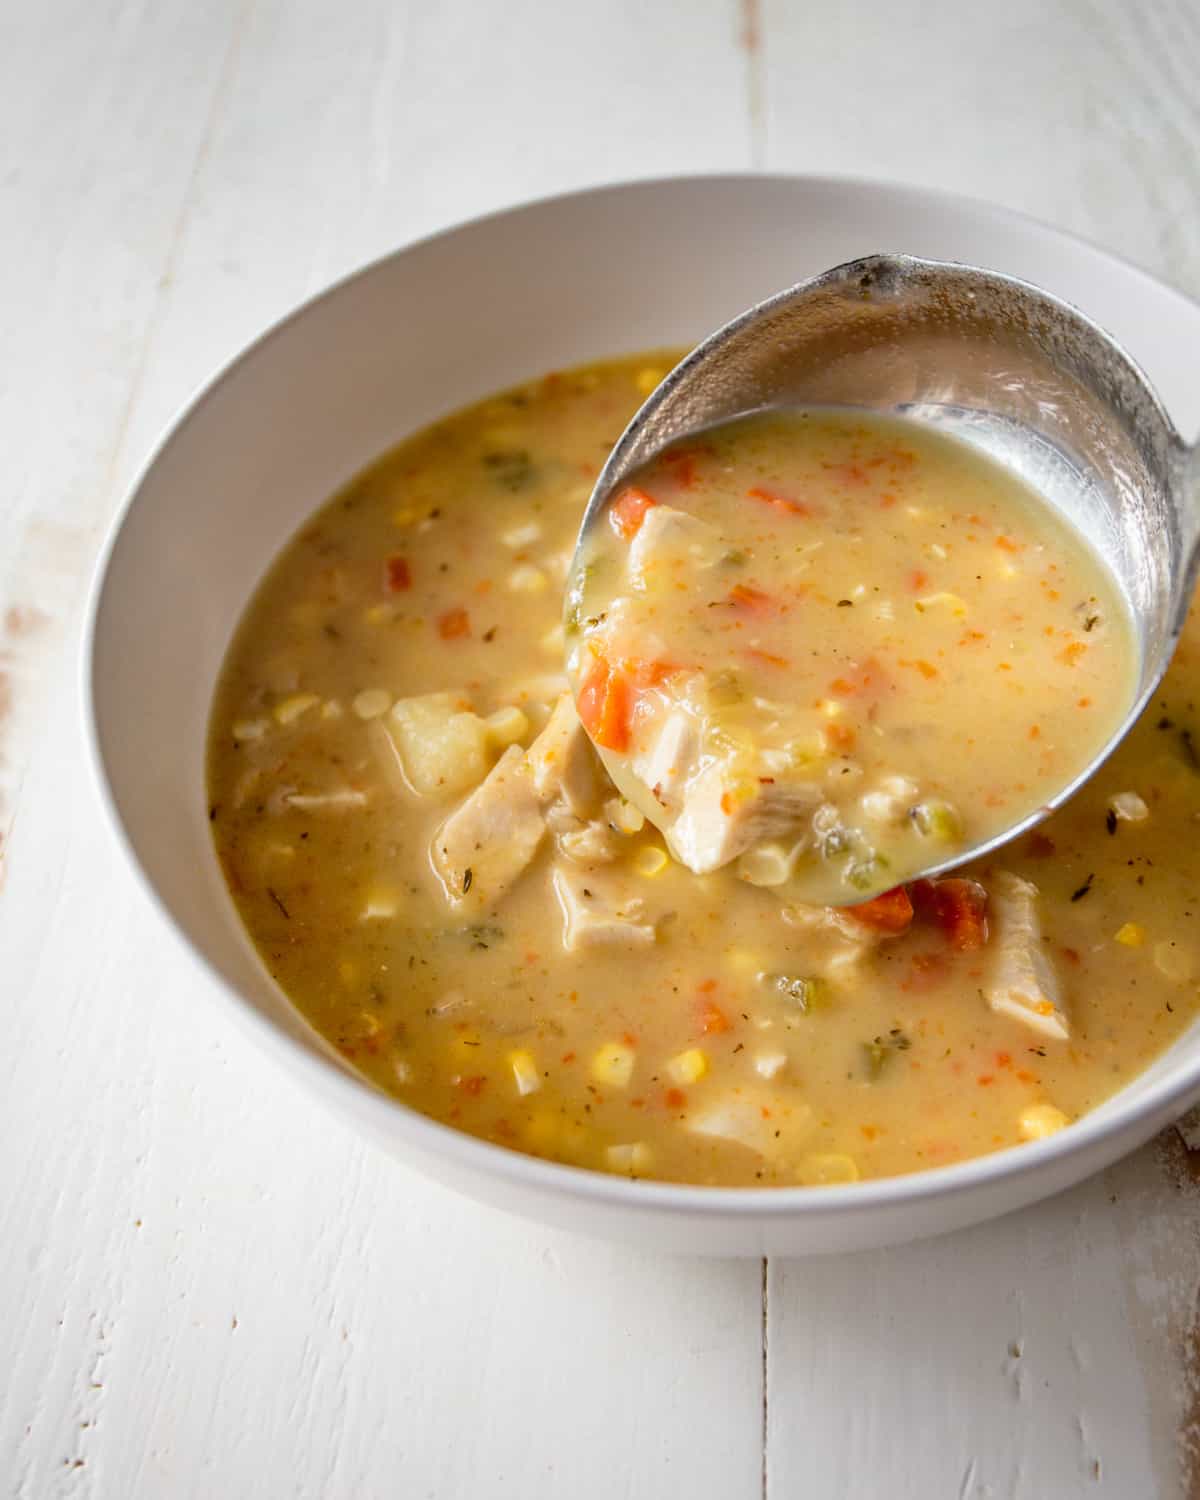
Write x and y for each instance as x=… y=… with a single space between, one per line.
x=724 y=813
x=564 y=764
x=598 y=909
x=1022 y=982
x=668 y=540
x=483 y=847
x=758 y=1119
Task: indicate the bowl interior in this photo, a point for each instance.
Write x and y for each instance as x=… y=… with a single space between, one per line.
x=425 y=331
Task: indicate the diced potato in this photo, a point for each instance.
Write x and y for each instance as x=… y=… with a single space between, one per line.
x=507 y=726
x=632 y=1158
x=402 y=1070
x=613 y=1065
x=1174 y=961
x=372 y=702
x=442 y=747
x=825 y=1168
x=1039 y=1120
x=553 y=641
x=1131 y=935
x=525 y=1073
x=288 y=710
x=769 y=1064
x=331 y=709
x=688 y=1067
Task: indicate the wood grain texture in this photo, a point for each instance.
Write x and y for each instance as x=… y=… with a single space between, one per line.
x=213 y=1289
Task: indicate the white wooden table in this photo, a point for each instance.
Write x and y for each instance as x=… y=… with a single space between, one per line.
x=209 y=1288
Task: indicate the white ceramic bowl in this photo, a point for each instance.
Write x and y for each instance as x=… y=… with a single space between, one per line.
x=420 y=333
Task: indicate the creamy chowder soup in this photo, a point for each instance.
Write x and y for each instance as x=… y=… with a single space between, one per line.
x=433 y=864
x=837 y=647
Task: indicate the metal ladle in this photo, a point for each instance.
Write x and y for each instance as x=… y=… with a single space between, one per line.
x=988 y=359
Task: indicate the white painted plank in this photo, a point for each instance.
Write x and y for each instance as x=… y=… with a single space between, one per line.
x=1084 y=113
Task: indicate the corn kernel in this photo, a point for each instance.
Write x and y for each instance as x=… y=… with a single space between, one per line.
x=405 y=516
x=949 y=602
x=688 y=1067
x=826 y=1168
x=381 y=904
x=506 y=726
x=1174 y=961
x=525 y=1073
x=632 y=1158
x=647 y=379
x=624 y=817
x=331 y=709
x=613 y=1064
x=522 y=536
x=372 y=702
x=743 y=960
x=650 y=861
x=1039 y=1120
x=527 y=580
x=1131 y=935
x=290 y=709
x=1128 y=807
x=541 y=1129
x=379 y=614
x=250 y=729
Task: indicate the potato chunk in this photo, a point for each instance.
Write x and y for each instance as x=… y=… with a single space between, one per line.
x=442 y=747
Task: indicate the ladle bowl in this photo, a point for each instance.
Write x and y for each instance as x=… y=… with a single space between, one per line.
x=988 y=359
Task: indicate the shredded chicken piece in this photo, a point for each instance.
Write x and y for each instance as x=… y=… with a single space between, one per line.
x=1022 y=982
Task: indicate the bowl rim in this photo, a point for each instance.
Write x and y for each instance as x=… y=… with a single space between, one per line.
x=351 y=1094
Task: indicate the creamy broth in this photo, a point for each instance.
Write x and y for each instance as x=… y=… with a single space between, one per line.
x=433 y=868
x=838 y=647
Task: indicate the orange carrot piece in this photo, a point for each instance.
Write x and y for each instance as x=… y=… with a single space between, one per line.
x=629 y=511
x=605 y=706
x=713 y=1019
x=750 y=601
x=890 y=912
x=781 y=503
x=397 y=575
x=958 y=907
x=454 y=624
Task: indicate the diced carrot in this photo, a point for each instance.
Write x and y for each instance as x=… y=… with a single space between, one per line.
x=454 y=624
x=674 y=1098
x=472 y=1086
x=397 y=575
x=629 y=511
x=1040 y=845
x=765 y=658
x=890 y=912
x=1006 y=544
x=605 y=706
x=1071 y=654
x=842 y=737
x=781 y=503
x=918 y=579
x=958 y=907
x=712 y=1018
x=750 y=601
